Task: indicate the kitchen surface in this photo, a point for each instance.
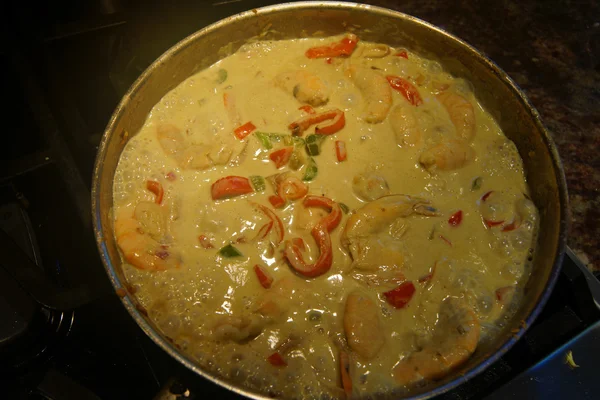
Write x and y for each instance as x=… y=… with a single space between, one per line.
x=67 y=64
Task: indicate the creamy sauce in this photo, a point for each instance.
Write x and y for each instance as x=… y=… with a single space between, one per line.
x=210 y=305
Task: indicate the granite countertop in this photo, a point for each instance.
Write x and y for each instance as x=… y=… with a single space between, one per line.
x=551 y=48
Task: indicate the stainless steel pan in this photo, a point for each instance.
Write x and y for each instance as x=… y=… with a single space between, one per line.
x=498 y=93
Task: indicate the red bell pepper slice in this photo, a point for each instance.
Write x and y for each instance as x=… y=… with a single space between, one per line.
x=156 y=188
x=429 y=276
x=321 y=235
x=242 y=131
x=307 y=109
x=282 y=156
x=229 y=101
x=337 y=124
x=340 y=150
x=264 y=231
x=336 y=115
x=510 y=227
x=345 y=47
x=402 y=54
x=263 y=277
x=486 y=195
x=205 y=242
x=276 y=360
x=445 y=239
x=405 y=88
x=276 y=201
x=230 y=186
x=278 y=225
x=334 y=217
x=456 y=218
x=399 y=297
x=489 y=223
x=299 y=242
x=503 y=293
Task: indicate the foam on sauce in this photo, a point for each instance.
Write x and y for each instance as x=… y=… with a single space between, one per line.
x=472 y=261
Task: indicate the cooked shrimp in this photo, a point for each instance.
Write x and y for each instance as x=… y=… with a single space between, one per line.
x=238 y=329
x=370 y=186
x=453 y=342
x=191 y=156
x=497 y=208
x=306 y=87
x=221 y=154
x=367 y=233
x=152 y=219
x=306 y=218
x=196 y=157
x=275 y=302
x=170 y=139
x=447 y=155
x=139 y=248
x=378 y=215
x=362 y=325
x=375 y=90
x=461 y=113
x=405 y=125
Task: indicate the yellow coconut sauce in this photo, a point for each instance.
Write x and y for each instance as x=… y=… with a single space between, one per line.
x=214 y=307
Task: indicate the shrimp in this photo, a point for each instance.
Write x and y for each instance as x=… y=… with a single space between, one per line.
x=306 y=87
x=405 y=125
x=447 y=155
x=306 y=218
x=362 y=326
x=151 y=218
x=139 y=248
x=275 y=302
x=190 y=156
x=170 y=139
x=268 y=308
x=461 y=113
x=367 y=233
x=454 y=341
x=369 y=186
x=238 y=329
x=375 y=90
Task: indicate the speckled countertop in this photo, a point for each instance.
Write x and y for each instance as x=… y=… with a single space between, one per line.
x=551 y=48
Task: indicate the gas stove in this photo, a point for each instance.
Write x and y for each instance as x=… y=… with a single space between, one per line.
x=63 y=331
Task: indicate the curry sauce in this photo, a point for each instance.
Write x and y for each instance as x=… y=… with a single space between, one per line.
x=324 y=218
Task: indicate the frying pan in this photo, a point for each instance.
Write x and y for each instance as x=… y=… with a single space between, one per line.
x=495 y=90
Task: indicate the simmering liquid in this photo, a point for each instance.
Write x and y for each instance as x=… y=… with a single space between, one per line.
x=235 y=165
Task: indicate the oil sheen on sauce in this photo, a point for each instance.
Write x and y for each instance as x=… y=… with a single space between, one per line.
x=473 y=249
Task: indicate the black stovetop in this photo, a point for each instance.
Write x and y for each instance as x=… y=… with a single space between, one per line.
x=63 y=332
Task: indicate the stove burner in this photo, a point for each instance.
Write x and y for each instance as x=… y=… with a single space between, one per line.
x=33 y=330
x=45 y=331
